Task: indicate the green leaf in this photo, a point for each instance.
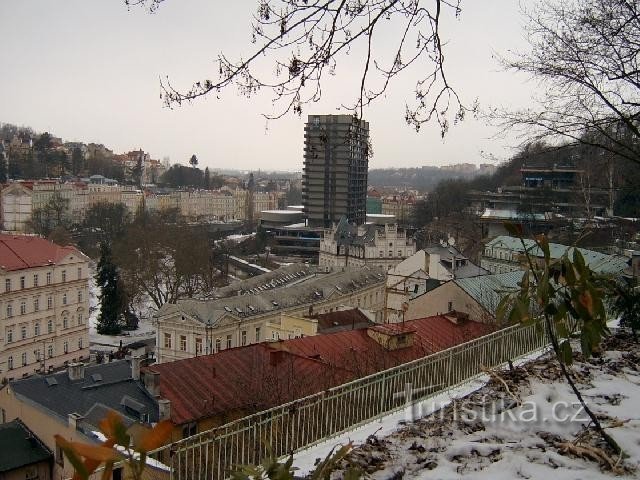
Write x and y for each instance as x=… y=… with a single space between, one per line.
x=566 y=353
x=562 y=330
x=353 y=473
x=588 y=338
x=323 y=469
x=578 y=262
x=524 y=283
x=503 y=308
x=542 y=290
x=543 y=243
x=551 y=309
x=568 y=271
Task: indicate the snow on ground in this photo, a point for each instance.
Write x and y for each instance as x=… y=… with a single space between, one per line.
x=536 y=431
x=143 y=309
x=237 y=238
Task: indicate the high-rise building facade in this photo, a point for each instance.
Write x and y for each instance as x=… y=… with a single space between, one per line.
x=336 y=159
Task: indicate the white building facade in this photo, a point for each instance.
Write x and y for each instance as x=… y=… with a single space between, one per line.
x=373 y=245
x=44 y=306
x=197 y=327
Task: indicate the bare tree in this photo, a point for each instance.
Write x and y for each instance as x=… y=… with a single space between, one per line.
x=154 y=261
x=305 y=39
x=585 y=55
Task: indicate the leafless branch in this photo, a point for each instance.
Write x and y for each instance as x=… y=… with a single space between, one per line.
x=585 y=56
x=305 y=40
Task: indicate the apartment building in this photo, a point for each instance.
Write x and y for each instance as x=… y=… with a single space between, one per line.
x=382 y=246
x=20 y=199
x=197 y=205
x=425 y=270
x=195 y=327
x=17 y=205
x=44 y=305
x=336 y=159
x=157 y=202
x=402 y=207
x=507 y=254
x=477 y=297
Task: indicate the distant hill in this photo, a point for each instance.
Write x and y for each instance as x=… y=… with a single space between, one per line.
x=423 y=179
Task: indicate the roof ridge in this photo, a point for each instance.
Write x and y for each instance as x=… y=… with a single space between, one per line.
x=14 y=252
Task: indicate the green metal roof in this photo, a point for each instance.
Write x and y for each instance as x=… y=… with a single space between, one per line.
x=596 y=261
x=20 y=447
x=488 y=290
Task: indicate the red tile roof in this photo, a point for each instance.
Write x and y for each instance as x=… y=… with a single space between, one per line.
x=357 y=352
x=18 y=252
x=249 y=379
x=260 y=376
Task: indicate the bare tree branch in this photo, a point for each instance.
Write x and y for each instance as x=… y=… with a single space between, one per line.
x=585 y=55
x=304 y=40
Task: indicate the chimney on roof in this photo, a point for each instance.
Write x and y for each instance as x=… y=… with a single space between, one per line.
x=457 y=318
x=74 y=420
x=164 y=409
x=76 y=371
x=392 y=337
x=276 y=357
x=135 y=367
x=151 y=382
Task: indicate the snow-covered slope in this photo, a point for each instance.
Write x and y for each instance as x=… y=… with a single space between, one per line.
x=525 y=424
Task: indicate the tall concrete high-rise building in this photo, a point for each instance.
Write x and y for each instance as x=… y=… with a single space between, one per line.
x=336 y=159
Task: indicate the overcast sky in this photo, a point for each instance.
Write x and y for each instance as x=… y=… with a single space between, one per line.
x=88 y=70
